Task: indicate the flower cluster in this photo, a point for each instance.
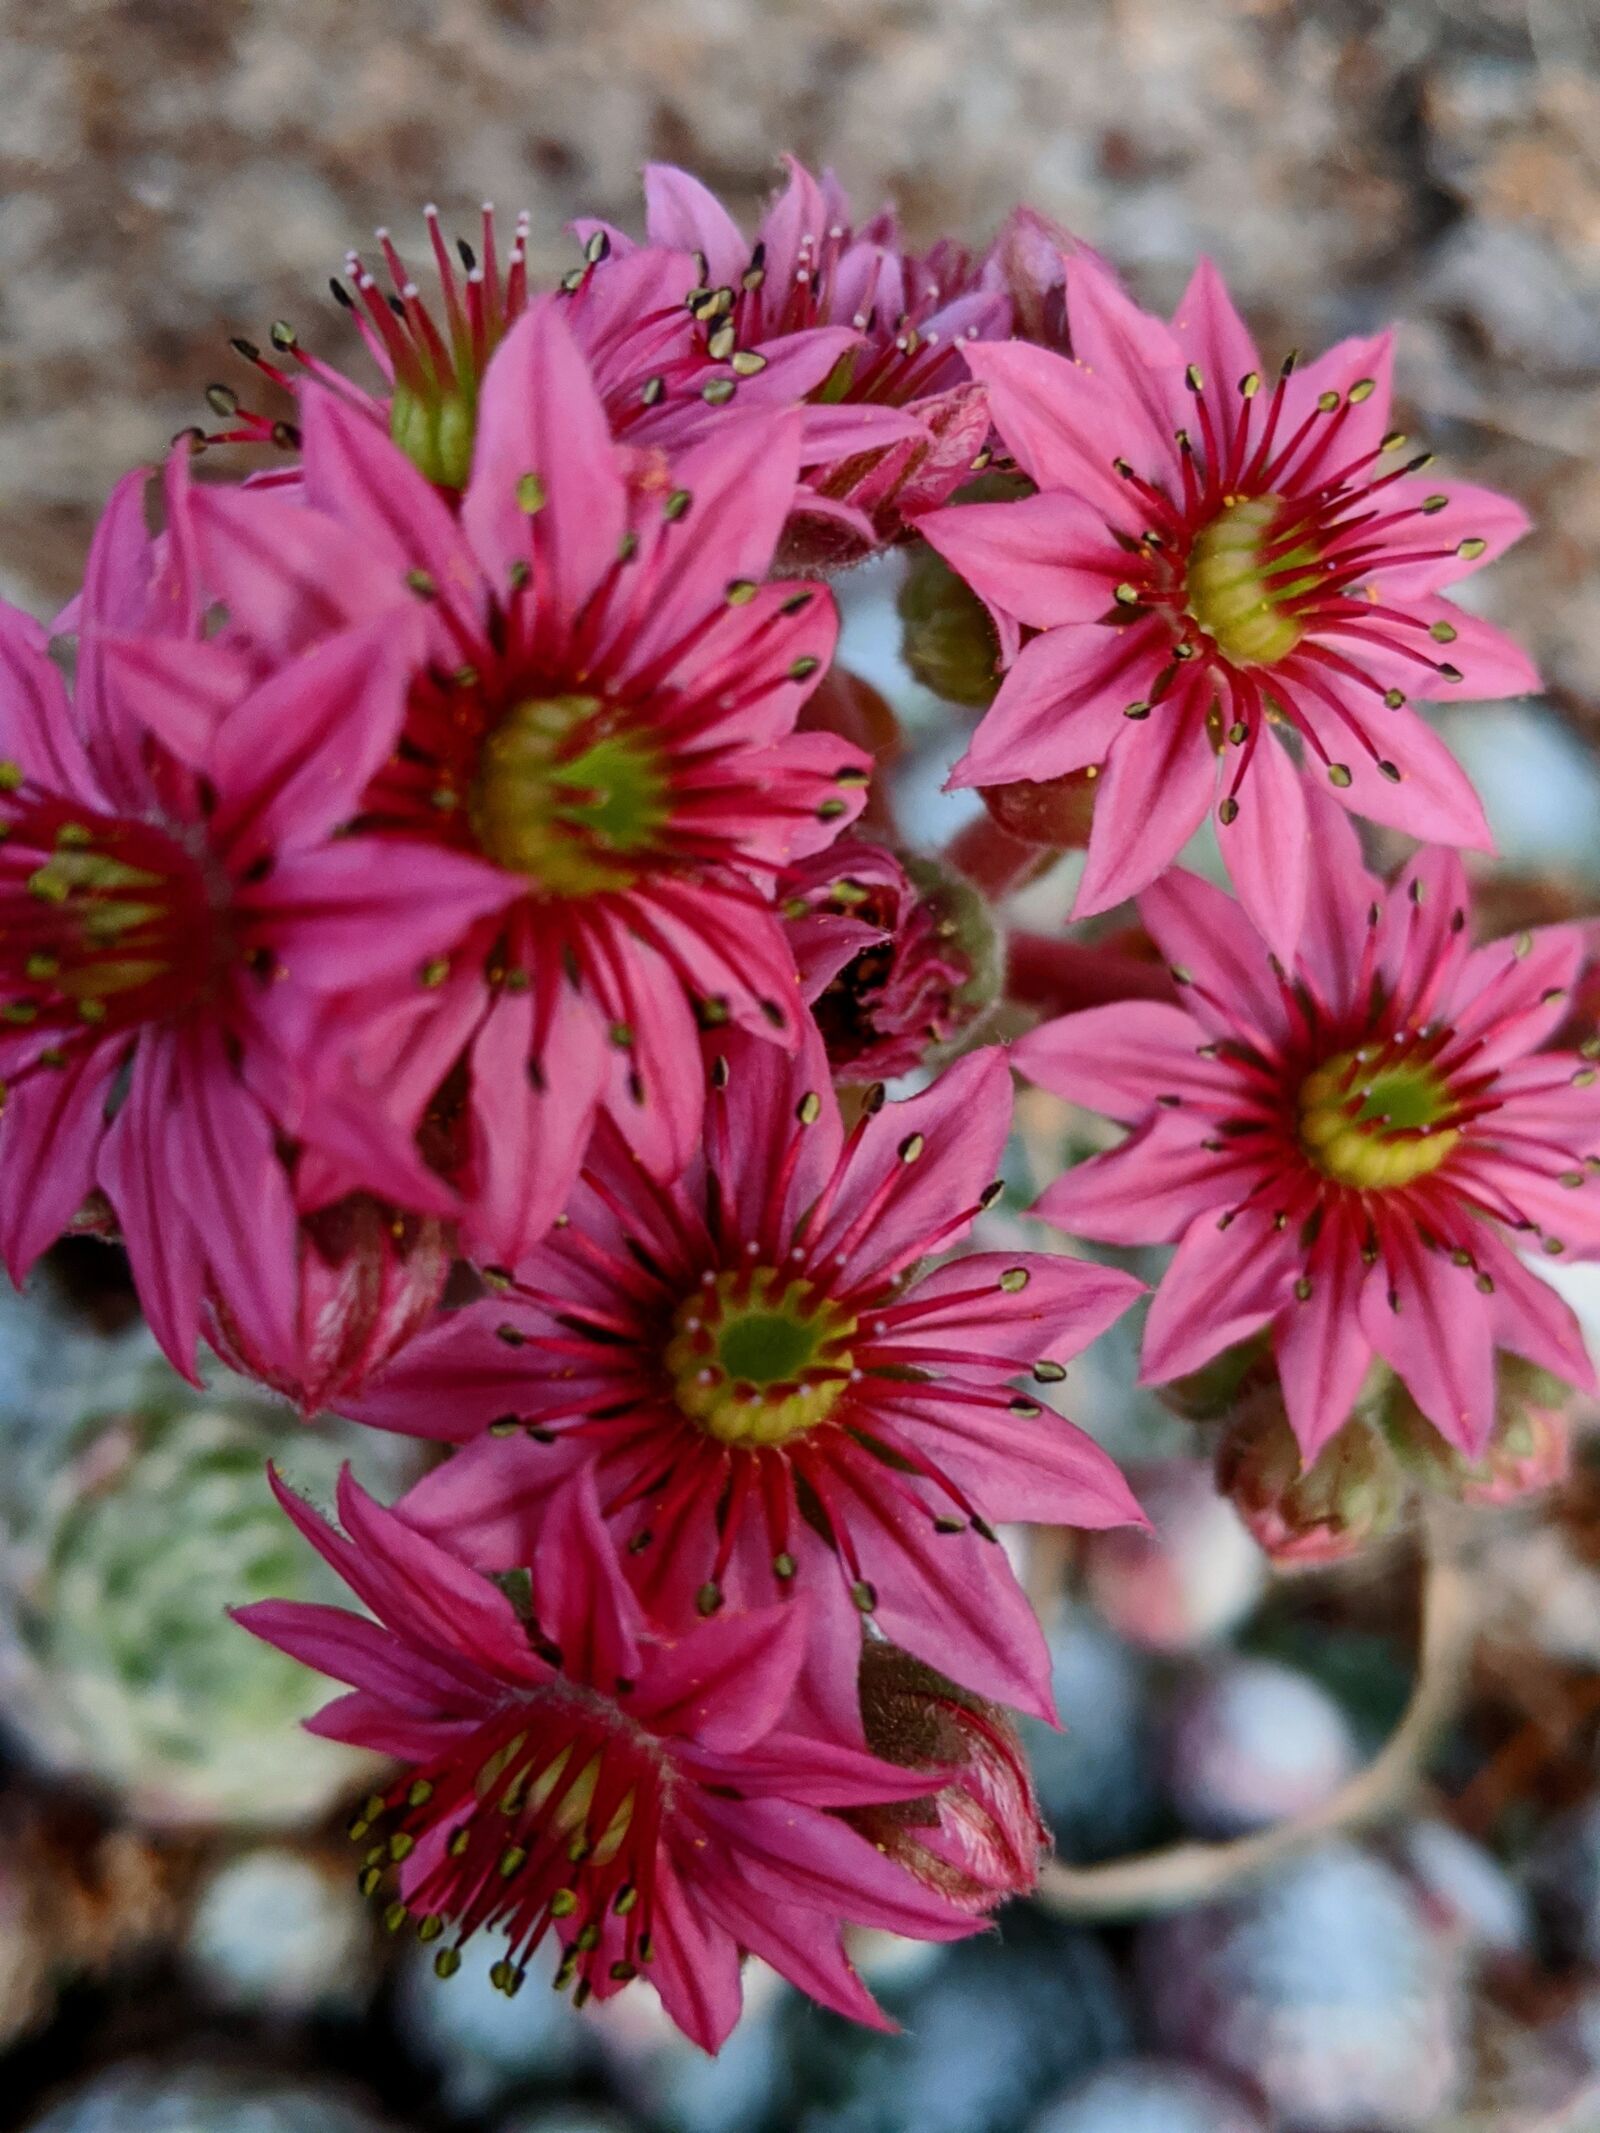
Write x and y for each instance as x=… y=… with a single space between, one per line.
x=457 y=929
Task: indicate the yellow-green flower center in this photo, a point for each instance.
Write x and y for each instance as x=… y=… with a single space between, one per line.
x=758 y=1358
x=567 y=795
x=1372 y=1121
x=434 y=426
x=1241 y=591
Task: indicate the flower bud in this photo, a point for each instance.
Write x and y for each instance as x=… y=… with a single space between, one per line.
x=369 y=1279
x=976 y=1837
x=947 y=637
x=1308 y=1515
x=896 y=956
x=1058 y=812
x=1529 y=1448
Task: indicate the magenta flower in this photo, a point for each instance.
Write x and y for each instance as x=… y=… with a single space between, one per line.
x=601 y=718
x=1349 y=1150
x=571 y=1772
x=769 y=1400
x=893 y=324
x=683 y=334
x=881 y=959
x=1214 y=563
x=175 y=913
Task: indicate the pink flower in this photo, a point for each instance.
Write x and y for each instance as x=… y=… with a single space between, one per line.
x=893 y=421
x=975 y=1836
x=599 y=718
x=175 y=913
x=684 y=334
x=769 y=1400
x=1213 y=562
x=1349 y=1149
x=881 y=958
x=569 y=1771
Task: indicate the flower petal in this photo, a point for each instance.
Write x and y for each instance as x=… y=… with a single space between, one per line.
x=1045 y=560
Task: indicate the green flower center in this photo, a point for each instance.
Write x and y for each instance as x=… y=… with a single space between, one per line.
x=434 y=426
x=1371 y=1120
x=568 y=796
x=1240 y=591
x=758 y=1358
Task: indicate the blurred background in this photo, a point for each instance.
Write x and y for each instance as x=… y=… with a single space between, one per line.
x=181 y=1946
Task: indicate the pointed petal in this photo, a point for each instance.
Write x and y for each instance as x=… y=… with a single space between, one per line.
x=1222 y=1287
x=1124 y=1058
x=1150 y=1189
x=135 y=1172
x=1058 y=1307
x=534 y=1096
x=1219 y=960
x=580 y=1598
x=540 y=416
x=36 y=723
x=1216 y=340
x=291 y=762
x=1471 y=515
x=1063 y=424
x=1062 y=705
x=684 y=214
x=1152 y=796
x=51 y=1129
x=178 y=690
x=1422 y=1314
x=916 y=1165
x=366 y=908
x=726 y=1683
x=355 y=474
x=1045 y=559
x=1266 y=847
x=288 y=575
x=1321 y=1350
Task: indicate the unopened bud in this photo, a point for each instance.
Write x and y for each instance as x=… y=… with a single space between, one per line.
x=947 y=637
x=1529 y=1448
x=1056 y=812
x=896 y=956
x=977 y=1838
x=1304 y=1515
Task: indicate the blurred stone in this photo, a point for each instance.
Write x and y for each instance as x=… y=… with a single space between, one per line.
x=1149 y=2096
x=1563 y=1873
x=1467 y=1893
x=1248 y=1742
x=1095 y=1777
x=673 y=2082
x=990 y=2031
x=1321 y=1988
x=276 y=1932
x=161 y=2099
x=483 y=2043
x=1190 y=1581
